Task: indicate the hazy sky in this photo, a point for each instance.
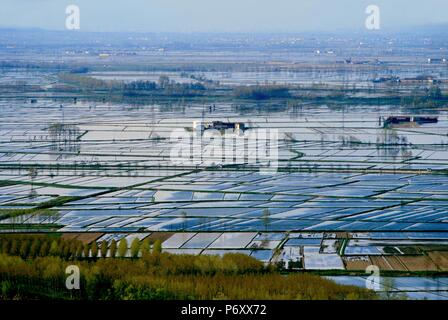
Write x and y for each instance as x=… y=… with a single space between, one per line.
x=221 y=16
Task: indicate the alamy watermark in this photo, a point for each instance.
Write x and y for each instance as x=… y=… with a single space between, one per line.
x=373 y=20
x=72 y=282
x=219 y=144
x=373 y=281
x=73 y=17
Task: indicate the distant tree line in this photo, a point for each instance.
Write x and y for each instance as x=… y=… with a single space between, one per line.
x=262 y=92
x=33 y=66
x=426 y=97
x=163 y=86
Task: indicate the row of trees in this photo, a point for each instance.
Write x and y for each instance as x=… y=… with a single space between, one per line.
x=33 y=246
x=164 y=276
x=38 y=246
x=262 y=92
x=164 y=85
x=425 y=97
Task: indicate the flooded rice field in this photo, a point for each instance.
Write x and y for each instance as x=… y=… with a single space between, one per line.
x=337 y=170
x=347 y=191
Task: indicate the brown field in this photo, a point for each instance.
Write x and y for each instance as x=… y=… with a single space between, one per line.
x=69 y=236
x=440 y=258
x=84 y=237
x=418 y=263
x=162 y=236
x=395 y=263
x=356 y=263
x=341 y=235
x=381 y=263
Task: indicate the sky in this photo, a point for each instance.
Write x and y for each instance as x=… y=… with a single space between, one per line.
x=223 y=15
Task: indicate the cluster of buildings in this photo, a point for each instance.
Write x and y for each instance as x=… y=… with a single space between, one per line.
x=423 y=79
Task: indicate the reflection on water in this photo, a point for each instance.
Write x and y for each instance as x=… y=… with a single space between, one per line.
x=390 y=144
x=415 y=288
x=64 y=139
